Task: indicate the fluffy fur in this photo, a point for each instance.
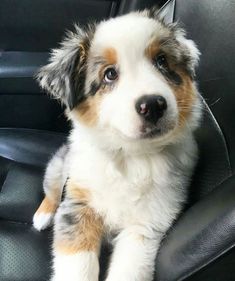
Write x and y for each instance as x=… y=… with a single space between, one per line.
x=126 y=177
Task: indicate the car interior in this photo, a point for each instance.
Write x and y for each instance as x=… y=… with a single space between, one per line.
x=200 y=244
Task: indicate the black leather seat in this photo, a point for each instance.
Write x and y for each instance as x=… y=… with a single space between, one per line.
x=24 y=251
x=200 y=246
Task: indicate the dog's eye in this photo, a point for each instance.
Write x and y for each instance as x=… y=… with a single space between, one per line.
x=110 y=75
x=160 y=61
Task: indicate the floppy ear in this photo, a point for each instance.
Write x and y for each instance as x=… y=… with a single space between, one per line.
x=64 y=76
x=190 y=51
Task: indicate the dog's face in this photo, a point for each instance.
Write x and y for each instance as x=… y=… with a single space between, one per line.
x=132 y=77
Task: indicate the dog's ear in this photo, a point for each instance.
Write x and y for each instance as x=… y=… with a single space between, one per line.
x=64 y=76
x=189 y=49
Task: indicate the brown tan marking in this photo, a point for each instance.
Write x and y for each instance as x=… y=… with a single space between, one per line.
x=76 y=192
x=88 y=230
x=185 y=96
x=110 y=56
x=47 y=206
x=87 y=111
x=88 y=236
x=152 y=50
x=82 y=51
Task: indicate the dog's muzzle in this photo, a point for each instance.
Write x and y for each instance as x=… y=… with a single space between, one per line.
x=151 y=108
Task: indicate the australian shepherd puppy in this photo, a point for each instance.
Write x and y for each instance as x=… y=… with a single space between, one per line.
x=128 y=87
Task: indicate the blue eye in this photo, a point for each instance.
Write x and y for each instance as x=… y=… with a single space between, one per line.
x=110 y=75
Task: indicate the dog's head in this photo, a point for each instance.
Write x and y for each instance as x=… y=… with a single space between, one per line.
x=131 y=76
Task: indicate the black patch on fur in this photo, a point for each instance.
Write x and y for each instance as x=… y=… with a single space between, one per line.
x=64 y=191
x=69 y=219
x=179 y=57
x=165 y=70
x=95 y=86
x=77 y=78
x=187 y=65
x=64 y=77
x=172 y=76
x=77 y=85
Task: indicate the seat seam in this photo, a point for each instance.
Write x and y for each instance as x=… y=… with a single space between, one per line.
x=165 y=5
x=16 y=222
x=37 y=166
x=221 y=134
x=35 y=130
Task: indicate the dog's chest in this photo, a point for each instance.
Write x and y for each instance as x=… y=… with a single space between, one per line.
x=125 y=189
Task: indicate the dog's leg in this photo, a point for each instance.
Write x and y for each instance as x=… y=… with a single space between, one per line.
x=53 y=183
x=134 y=255
x=44 y=215
x=77 y=238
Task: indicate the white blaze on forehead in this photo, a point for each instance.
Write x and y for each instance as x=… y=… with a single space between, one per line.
x=128 y=34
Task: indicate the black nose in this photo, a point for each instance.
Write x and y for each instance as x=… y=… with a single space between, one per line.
x=151 y=107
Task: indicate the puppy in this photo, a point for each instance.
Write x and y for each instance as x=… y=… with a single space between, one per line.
x=128 y=87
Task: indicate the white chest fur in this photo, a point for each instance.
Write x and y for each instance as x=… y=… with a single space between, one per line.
x=145 y=188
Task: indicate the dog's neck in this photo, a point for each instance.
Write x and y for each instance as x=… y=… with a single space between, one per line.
x=115 y=146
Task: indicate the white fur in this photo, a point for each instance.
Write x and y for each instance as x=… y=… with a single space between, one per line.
x=137 y=185
x=42 y=220
x=133 y=257
x=83 y=266
x=54 y=181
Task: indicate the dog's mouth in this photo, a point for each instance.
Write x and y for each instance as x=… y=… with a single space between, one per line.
x=150 y=132
x=147 y=131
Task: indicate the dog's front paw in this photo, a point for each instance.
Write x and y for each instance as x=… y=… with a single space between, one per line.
x=44 y=215
x=82 y=266
x=42 y=220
